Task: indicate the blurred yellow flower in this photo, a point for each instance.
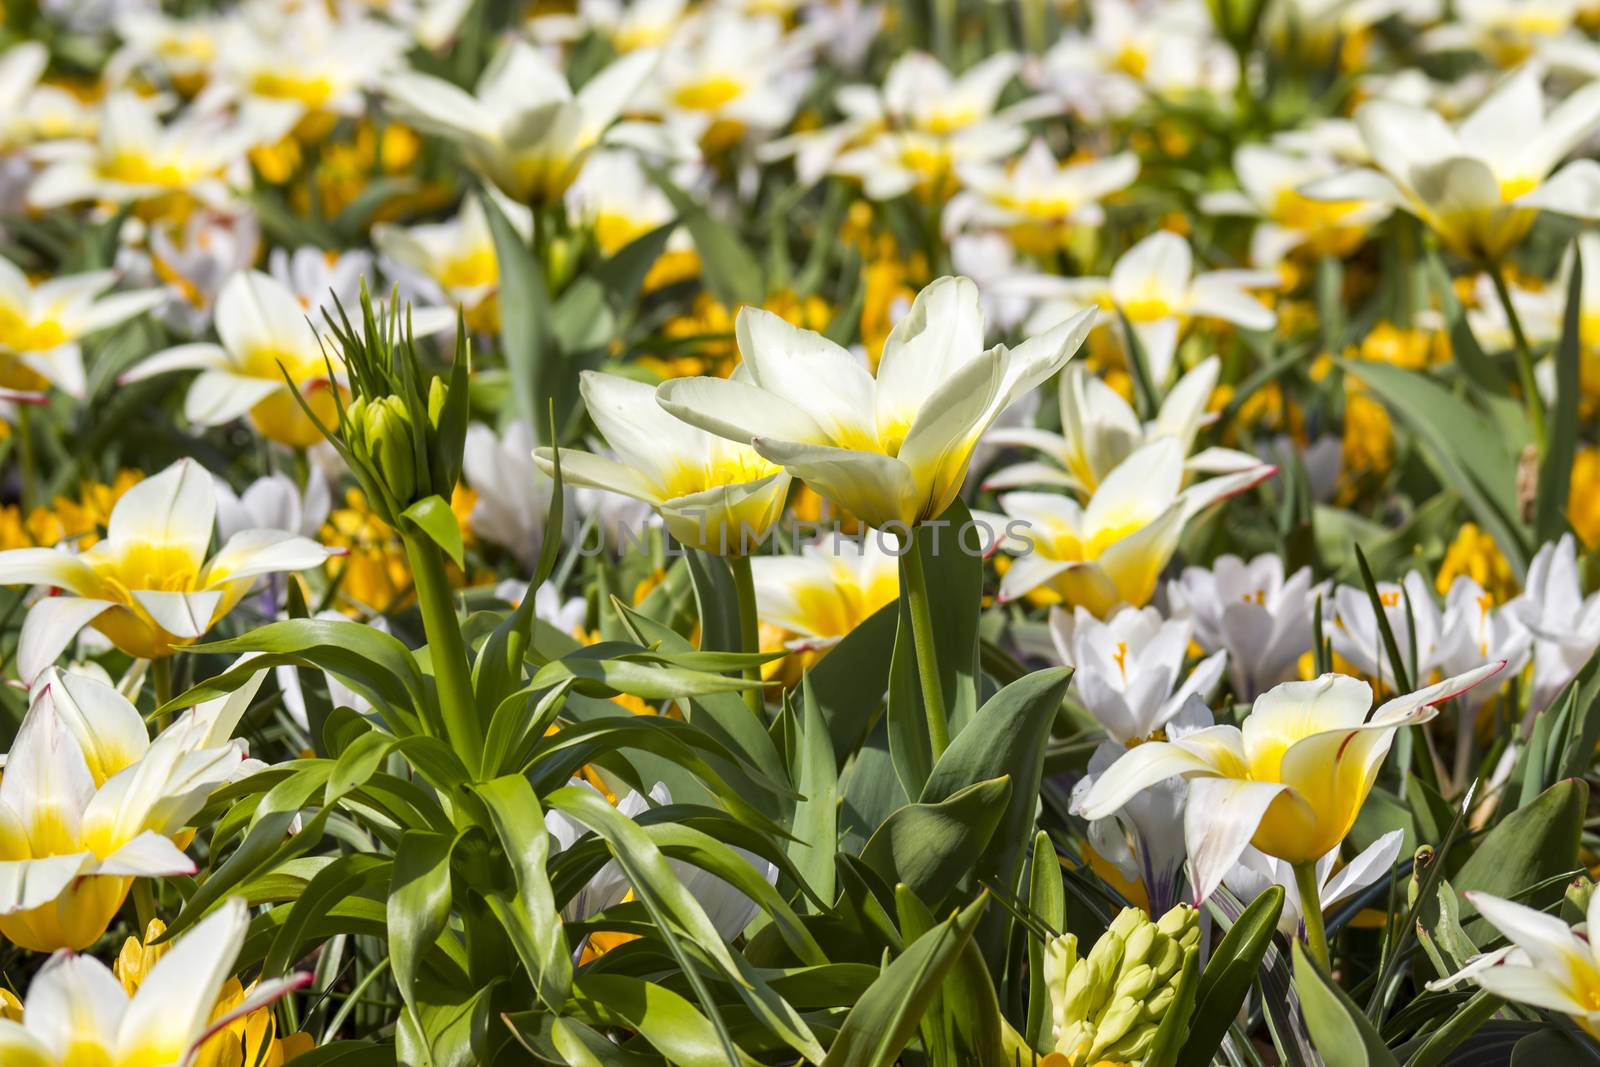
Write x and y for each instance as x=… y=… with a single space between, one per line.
x=81 y=520
x=1583 y=501
x=1474 y=553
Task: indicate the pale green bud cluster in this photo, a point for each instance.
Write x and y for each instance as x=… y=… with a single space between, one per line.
x=386 y=435
x=1109 y=1004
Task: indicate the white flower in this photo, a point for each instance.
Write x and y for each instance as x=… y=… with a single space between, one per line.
x=1112 y=550
x=1478 y=183
x=322 y=280
x=1547 y=964
x=195 y=257
x=1155 y=286
x=137 y=157
x=820 y=595
x=1565 y=624
x=888 y=448
x=1099 y=430
x=88 y=802
x=274 y=502
x=1036 y=192
x=523 y=127
x=1144 y=839
x=1476 y=631
x=76 y=1011
x=513 y=494
x=1290 y=781
x=42 y=326
x=1271 y=179
x=1128 y=670
x=452 y=262
x=1256 y=872
x=725 y=75
x=149 y=586
x=1408 y=608
x=1264 y=621
x=713 y=494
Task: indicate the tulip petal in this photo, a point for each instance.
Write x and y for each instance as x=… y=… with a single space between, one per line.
x=175 y=510
x=585 y=469
x=939 y=445
x=183 y=615
x=258 y=313
x=201 y=355
x=1573 y=190
x=217 y=397
x=643 y=435
x=47 y=566
x=50 y=626
x=252 y=553
x=930 y=344
x=1374 y=862
x=173 y=1006
x=19 y=1048
x=76 y=1003
x=737 y=410
x=109 y=729
x=1221 y=816
x=812 y=373
x=1414 y=707
x=149 y=855
x=1142 y=767
x=27 y=884
x=1532 y=985
x=1550 y=943
x=877 y=489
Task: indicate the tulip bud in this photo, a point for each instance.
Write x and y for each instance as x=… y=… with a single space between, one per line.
x=386 y=430
x=1109 y=1005
x=436 y=397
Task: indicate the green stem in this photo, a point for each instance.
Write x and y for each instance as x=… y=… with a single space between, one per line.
x=749 y=624
x=915 y=589
x=144 y=904
x=1531 y=397
x=1305 y=879
x=944 y=31
x=446 y=649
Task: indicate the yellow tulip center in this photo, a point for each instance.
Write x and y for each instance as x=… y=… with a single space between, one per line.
x=1131 y=60
x=271 y=363
x=1295 y=212
x=166 y=568
x=949 y=120
x=19 y=334
x=311 y=90
x=734 y=469
x=470 y=270
x=1512 y=188
x=136 y=168
x=709 y=94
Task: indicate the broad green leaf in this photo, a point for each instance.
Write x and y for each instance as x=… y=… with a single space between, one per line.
x=432 y=515
x=1561 y=444
x=930 y=847
x=1456 y=1030
x=530 y=916
x=1228 y=976
x=1047 y=900
x=418 y=909
x=816 y=826
x=884 y=1020
x=731 y=272
x=1341 y=1033
x=661 y=1017
x=1532 y=845
x=334 y=882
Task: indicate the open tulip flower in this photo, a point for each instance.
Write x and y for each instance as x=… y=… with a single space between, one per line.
x=76 y=1012
x=41 y=325
x=1099 y=430
x=148 y=586
x=1290 y=781
x=88 y=803
x=1478 y=184
x=888 y=449
x=711 y=493
x=1548 y=964
x=524 y=128
x=1113 y=550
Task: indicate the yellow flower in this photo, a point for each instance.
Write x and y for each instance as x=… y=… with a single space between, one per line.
x=1474 y=553
x=81 y=521
x=1368 y=434
x=1583 y=502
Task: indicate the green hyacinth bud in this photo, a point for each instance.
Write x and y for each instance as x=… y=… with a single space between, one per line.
x=1110 y=1004
x=386 y=430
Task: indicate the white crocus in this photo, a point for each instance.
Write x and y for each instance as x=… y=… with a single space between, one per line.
x=149 y=586
x=1128 y=670
x=820 y=595
x=1565 y=624
x=523 y=127
x=1290 y=781
x=1112 y=550
x=1476 y=630
x=274 y=502
x=1037 y=199
x=1270 y=179
x=267 y=342
x=1264 y=621
x=1478 y=183
x=1547 y=964
x=1144 y=838
x=1154 y=285
x=77 y=1012
x=88 y=803
x=1099 y=430
x=725 y=76
x=892 y=448
x=712 y=493
x=1409 y=609
x=513 y=494
x=42 y=325
x=1256 y=872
